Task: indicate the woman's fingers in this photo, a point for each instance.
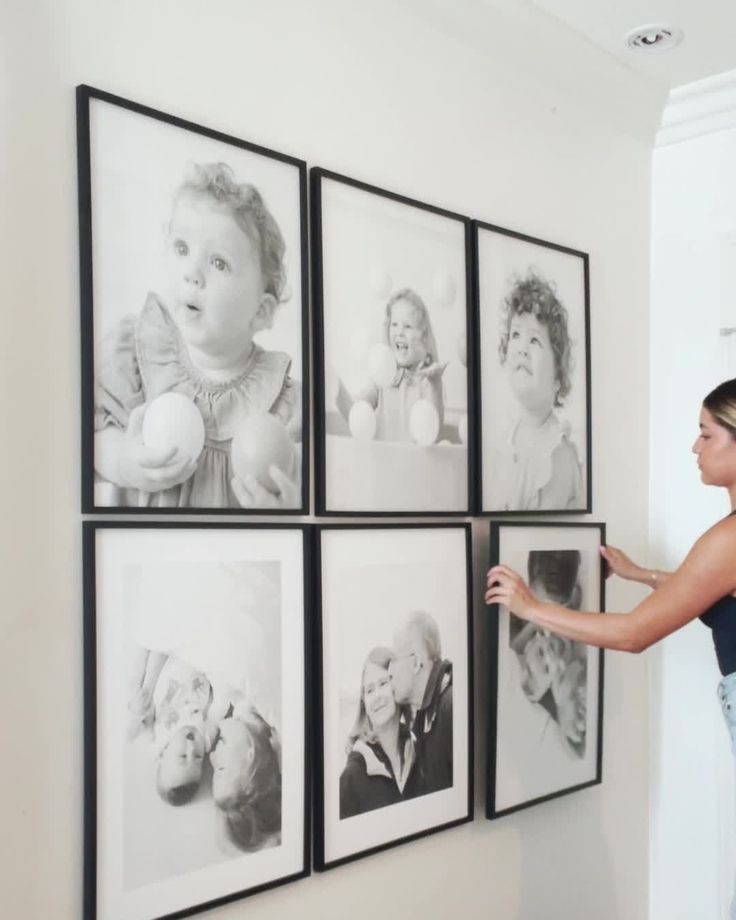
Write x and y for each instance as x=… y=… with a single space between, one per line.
x=499 y=571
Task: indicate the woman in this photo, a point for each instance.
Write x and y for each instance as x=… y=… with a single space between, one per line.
x=704 y=585
x=381 y=768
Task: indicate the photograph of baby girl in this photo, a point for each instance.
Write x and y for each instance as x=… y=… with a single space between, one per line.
x=392 y=328
x=395 y=686
x=196 y=716
x=534 y=373
x=192 y=312
x=547 y=707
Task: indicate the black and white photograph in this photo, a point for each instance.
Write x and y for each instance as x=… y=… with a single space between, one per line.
x=546 y=712
x=195 y=642
x=193 y=261
x=396 y=668
x=392 y=302
x=534 y=372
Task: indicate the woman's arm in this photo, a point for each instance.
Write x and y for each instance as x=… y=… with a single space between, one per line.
x=707 y=574
x=618 y=563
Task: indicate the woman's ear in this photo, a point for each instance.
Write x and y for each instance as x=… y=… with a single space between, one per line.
x=264 y=315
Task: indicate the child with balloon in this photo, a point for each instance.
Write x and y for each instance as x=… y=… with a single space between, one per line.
x=404 y=401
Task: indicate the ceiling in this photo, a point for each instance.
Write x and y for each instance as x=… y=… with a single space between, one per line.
x=709 y=26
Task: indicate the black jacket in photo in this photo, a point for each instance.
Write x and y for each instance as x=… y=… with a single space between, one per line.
x=432 y=729
x=368 y=780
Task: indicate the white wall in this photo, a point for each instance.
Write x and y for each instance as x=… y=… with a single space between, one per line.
x=373 y=91
x=694 y=214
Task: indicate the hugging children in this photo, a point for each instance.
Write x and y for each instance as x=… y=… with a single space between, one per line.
x=204 y=673
x=225 y=281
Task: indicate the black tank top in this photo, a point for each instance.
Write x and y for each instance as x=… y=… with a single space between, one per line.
x=721 y=618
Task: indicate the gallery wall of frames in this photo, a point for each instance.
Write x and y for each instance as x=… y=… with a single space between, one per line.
x=261 y=698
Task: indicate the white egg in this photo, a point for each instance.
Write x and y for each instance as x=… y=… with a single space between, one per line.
x=424 y=422
x=173 y=420
x=261 y=442
x=362 y=421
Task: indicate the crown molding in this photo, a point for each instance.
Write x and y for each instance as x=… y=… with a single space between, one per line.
x=699 y=108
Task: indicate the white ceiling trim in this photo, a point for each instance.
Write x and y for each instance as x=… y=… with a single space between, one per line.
x=699 y=108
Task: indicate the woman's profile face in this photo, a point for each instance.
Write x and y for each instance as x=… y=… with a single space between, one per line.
x=378 y=695
x=715 y=449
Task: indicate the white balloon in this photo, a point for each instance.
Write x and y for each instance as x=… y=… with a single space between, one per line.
x=380 y=282
x=362 y=421
x=424 y=422
x=360 y=342
x=462 y=429
x=172 y=420
x=444 y=288
x=381 y=365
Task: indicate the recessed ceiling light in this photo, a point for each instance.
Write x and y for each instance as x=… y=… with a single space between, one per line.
x=657 y=37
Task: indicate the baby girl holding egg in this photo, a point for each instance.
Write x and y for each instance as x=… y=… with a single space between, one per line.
x=405 y=370
x=195 y=347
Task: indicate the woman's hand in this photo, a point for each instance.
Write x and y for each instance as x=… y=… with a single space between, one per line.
x=618 y=563
x=146 y=468
x=507 y=587
x=250 y=493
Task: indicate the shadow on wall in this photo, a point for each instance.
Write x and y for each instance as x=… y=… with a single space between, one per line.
x=566 y=868
x=564 y=860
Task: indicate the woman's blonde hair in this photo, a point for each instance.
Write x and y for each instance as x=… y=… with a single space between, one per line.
x=362 y=729
x=721 y=403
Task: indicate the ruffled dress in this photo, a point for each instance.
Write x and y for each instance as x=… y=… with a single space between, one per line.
x=393 y=403
x=145 y=357
x=546 y=475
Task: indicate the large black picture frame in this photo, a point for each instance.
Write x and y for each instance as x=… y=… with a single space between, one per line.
x=543 y=739
x=185 y=895
x=553 y=473
x=443 y=553
x=132 y=156
x=389 y=243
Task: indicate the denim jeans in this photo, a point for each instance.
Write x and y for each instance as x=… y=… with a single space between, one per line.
x=727 y=699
